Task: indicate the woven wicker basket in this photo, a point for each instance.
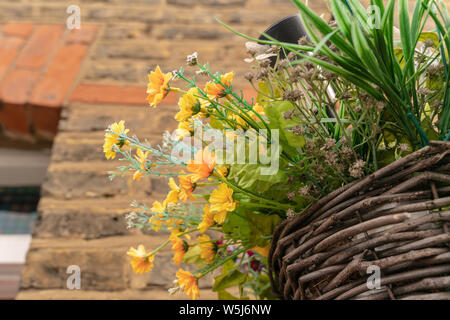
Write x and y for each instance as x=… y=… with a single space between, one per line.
x=396 y=219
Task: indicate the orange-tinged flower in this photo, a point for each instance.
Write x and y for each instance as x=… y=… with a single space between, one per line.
x=207 y=251
x=189 y=104
x=221 y=201
x=114 y=139
x=158 y=86
x=172 y=196
x=141 y=157
x=202 y=165
x=187 y=186
x=217 y=90
x=208 y=219
x=189 y=283
x=142 y=261
x=179 y=247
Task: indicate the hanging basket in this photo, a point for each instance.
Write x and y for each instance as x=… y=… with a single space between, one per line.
x=395 y=219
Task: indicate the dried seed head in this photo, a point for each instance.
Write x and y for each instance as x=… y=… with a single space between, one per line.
x=295 y=74
x=282 y=64
x=191 y=60
x=304 y=191
x=425 y=91
x=262 y=74
x=288 y=114
x=274 y=49
x=356 y=170
x=330 y=143
x=436 y=103
x=331 y=158
x=265 y=63
x=347 y=152
x=328 y=75
x=308 y=75
x=428 y=43
x=404 y=147
x=345 y=95
x=292 y=56
x=298 y=130
x=380 y=105
x=291 y=195
x=249 y=76
x=293 y=95
x=290 y=213
x=434 y=70
x=303 y=41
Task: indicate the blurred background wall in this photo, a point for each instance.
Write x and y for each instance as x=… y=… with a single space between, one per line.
x=59 y=89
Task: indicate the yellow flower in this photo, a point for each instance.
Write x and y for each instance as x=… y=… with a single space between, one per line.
x=220 y=216
x=179 y=247
x=187 y=186
x=112 y=139
x=259 y=110
x=141 y=157
x=189 y=105
x=142 y=261
x=158 y=86
x=221 y=201
x=172 y=196
x=216 y=90
x=184 y=130
x=207 y=251
x=223 y=171
x=202 y=165
x=157 y=209
x=188 y=283
x=208 y=219
x=238 y=119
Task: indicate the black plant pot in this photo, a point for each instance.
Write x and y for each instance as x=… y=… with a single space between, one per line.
x=289 y=29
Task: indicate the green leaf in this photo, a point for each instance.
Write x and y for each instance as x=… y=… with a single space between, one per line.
x=248 y=176
x=192 y=256
x=430 y=36
x=262 y=226
x=225 y=295
x=236 y=227
x=229 y=278
x=275 y=111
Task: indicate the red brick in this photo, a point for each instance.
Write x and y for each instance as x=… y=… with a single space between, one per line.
x=40 y=47
x=85 y=35
x=9 y=48
x=14 y=120
x=111 y=94
x=22 y=30
x=17 y=86
x=59 y=77
x=45 y=121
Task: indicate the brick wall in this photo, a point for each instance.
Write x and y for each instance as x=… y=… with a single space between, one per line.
x=81 y=212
